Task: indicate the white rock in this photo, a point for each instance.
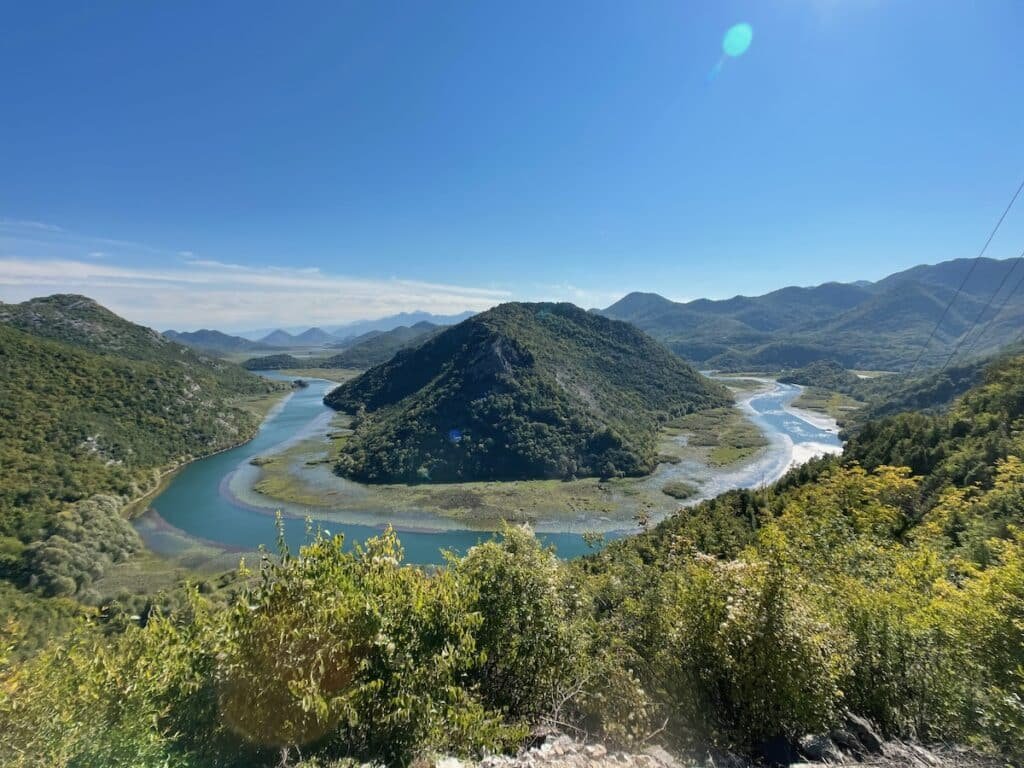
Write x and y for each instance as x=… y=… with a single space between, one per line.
x=661 y=756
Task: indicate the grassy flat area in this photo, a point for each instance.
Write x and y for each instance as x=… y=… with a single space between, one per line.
x=679 y=490
x=742 y=385
x=331 y=374
x=726 y=436
x=299 y=352
x=286 y=476
x=303 y=474
x=832 y=404
x=871 y=374
x=260 y=405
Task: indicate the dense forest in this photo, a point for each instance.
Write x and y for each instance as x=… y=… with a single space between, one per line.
x=94 y=408
x=279 y=361
x=824 y=374
x=851 y=585
x=520 y=391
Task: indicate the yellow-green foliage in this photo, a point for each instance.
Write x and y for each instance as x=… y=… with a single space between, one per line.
x=828 y=607
x=526 y=631
x=342 y=652
x=92 y=701
x=743 y=656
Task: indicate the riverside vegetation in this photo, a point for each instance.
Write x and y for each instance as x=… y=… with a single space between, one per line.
x=854 y=401
x=888 y=582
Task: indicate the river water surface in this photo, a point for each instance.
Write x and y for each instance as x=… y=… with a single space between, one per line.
x=203 y=502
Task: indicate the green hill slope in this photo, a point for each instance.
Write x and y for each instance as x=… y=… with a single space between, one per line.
x=78 y=419
x=520 y=391
x=381 y=346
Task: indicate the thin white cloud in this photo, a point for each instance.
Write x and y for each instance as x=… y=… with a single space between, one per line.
x=14 y=232
x=583 y=297
x=209 y=293
x=16 y=224
x=178 y=288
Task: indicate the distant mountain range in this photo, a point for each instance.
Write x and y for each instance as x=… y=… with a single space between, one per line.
x=349 y=331
x=378 y=347
x=519 y=391
x=876 y=325
x=314 y=337
x=218 y=342
x=278 y=338
x=880 y=325
x=364 y=351
x=213 y=341
x=394 y=321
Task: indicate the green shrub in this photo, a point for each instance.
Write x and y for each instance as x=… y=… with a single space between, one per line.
x=87 y=537
x=531 y=650
x=906 y=671
x=138 y=699
x=745 y=658
x=987 y=619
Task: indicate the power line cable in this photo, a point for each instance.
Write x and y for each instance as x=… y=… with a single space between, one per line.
x=998 y=312
x=988 y=305
x=967 y=277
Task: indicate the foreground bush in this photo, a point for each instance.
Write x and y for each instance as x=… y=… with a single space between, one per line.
x=342 y=653
x=844 y=594
x=744 y=657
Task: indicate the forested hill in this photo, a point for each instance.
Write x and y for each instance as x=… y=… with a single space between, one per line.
x=379 y=347
x=93 y=404
x=926 y=391
x=881 y=325
x=520 y=391
x=960 y=446
x=81 y=322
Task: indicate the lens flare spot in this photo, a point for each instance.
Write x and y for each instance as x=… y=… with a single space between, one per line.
x=737 y=39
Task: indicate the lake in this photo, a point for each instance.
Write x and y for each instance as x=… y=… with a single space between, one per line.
x=200 y=504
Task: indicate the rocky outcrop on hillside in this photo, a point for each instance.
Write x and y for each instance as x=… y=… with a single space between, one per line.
x=856 y=743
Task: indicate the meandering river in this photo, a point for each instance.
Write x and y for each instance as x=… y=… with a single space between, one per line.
x=204 y=502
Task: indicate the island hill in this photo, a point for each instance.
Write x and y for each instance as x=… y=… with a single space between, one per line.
x=522 y=391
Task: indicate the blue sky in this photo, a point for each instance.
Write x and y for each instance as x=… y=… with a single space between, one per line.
x=249 y=164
